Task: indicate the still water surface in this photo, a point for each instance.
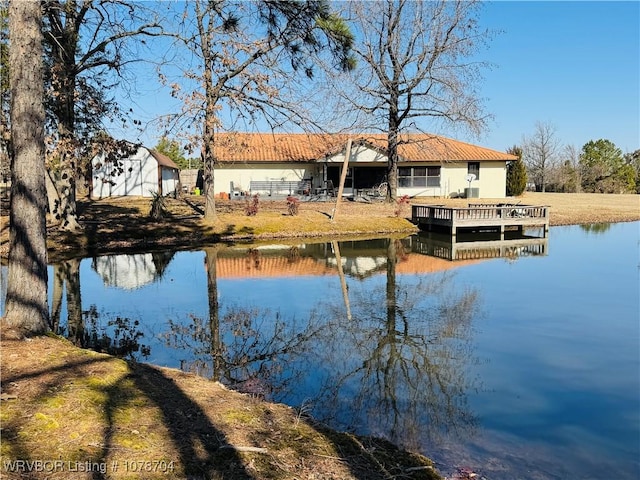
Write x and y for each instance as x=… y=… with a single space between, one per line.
x=525 y=366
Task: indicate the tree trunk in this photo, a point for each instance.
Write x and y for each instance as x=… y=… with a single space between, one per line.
x=64 y=40
x=65 y=212
x=208 y=158
x=211 y=96
x=27 y=311
x=74 y=302
x=208 y=162
x=392 y=153
x=211 y=258
x=65 y=180
x=62 y=204
x=208 y=179
x=56 y=302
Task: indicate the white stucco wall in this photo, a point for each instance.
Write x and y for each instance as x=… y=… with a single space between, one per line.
x=242 y=174
x=360 y=154
x=139 y=176
x=170 y=181
x=492 y=182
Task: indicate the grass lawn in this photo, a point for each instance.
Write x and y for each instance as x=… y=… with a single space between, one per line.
x=88 y=415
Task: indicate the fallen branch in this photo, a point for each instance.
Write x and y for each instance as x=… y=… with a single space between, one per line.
x=329 y=456
x=244 y=449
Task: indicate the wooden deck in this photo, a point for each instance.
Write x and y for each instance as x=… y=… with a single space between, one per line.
x=500 y=216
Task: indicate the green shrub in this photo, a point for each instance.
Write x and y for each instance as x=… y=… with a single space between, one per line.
x=516 y=178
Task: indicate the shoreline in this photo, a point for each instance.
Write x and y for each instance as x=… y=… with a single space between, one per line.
x=127 y=418
x=121 y=225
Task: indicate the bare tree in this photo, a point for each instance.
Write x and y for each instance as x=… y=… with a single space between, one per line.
x=540 y=153
x=86 y=43
x=248 y=57
x=569 y=171
x=414 y=62
x=27 y=311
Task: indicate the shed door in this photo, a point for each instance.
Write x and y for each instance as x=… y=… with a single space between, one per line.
x=133 y=177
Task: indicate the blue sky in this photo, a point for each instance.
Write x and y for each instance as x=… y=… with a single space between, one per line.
x=574 y=65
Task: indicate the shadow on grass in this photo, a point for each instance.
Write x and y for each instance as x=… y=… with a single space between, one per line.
x=231 y=229
x=195 y=207
x=111 y=228
x=197 y=441
x=112 y=399
x=196 y=438
x=15 y=440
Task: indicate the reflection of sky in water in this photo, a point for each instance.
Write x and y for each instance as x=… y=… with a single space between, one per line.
x=562 y=336
x=553 y=374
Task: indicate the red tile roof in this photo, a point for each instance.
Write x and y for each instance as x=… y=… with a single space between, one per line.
x=272 y=267
x=303 y=147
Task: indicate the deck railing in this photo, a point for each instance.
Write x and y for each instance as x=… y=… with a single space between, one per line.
x=491 y=212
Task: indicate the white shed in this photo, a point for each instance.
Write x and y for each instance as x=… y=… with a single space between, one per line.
x=144 y=173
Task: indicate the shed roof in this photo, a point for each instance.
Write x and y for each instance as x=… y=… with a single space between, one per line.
x=163 y=159
x=305 y=147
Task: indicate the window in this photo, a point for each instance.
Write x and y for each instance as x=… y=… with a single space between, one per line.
x=419 y=176
x=474 y=167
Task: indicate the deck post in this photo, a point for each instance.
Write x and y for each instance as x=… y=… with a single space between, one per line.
x=502 y=231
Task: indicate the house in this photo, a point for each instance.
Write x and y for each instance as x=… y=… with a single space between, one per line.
x=144 y=173
x=429 y=165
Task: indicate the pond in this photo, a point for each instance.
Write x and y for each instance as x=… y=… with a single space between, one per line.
x=516 y=362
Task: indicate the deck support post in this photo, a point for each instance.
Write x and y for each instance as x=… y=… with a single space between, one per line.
x=502 y=232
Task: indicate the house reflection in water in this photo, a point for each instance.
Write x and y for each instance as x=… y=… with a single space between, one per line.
x=358 y=259
x=131 y=271
x=422 y=253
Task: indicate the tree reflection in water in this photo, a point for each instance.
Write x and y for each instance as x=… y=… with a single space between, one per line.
x=399 y=365
x=389 y=358
x=119 y=336
x=595 y=227
x=247 y=348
